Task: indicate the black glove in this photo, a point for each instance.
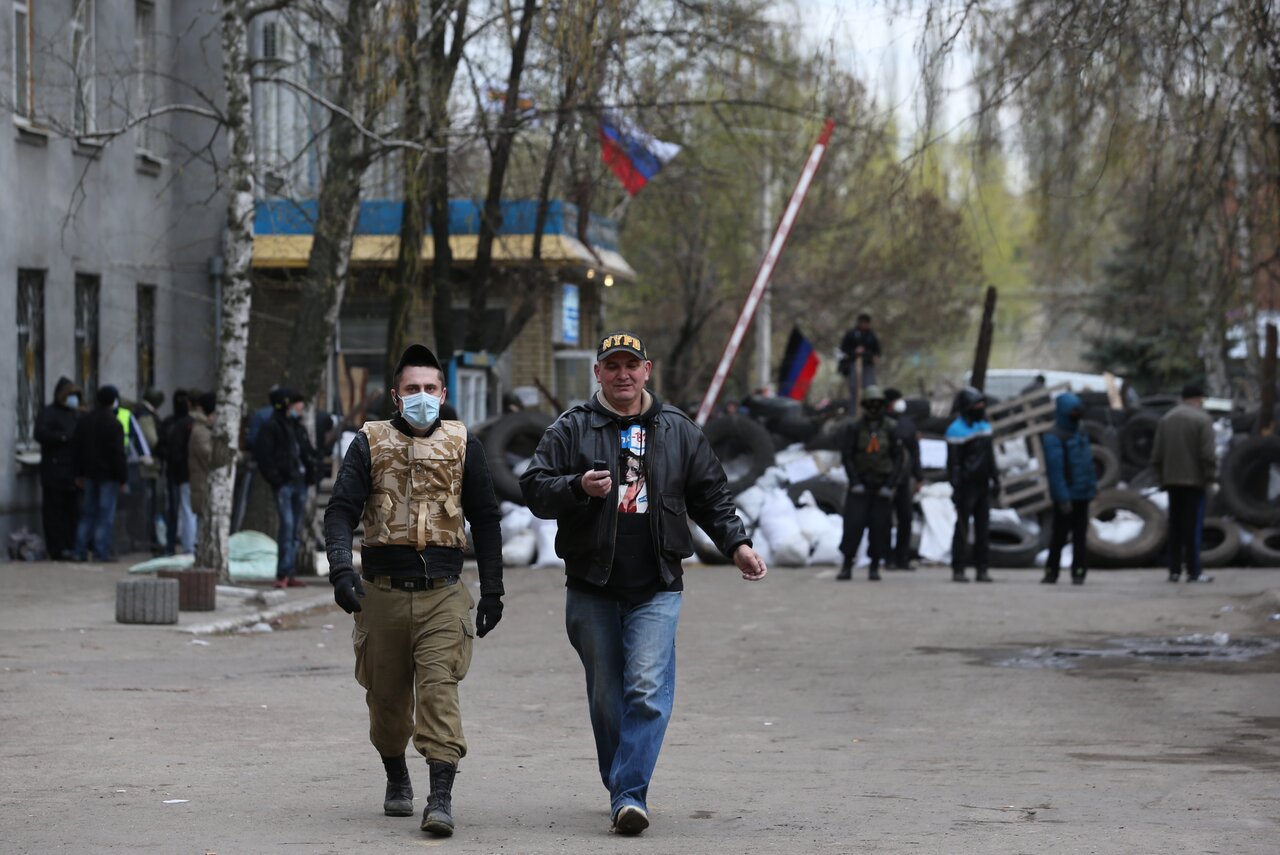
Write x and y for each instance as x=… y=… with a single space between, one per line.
x=347 y=588
x=488 y=613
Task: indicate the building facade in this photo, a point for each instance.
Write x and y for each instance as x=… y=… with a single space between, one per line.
x=110 y=223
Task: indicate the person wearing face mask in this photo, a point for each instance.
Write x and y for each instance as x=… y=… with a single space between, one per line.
x=910 y=483
x=873 y=460
x=286 y=460
x=412 y=481
x=971 y=468
x=102 y=470
x=1073 y=482
x=59 y=501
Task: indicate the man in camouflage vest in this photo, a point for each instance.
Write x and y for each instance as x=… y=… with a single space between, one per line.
x=410 y=482
x=872 y=455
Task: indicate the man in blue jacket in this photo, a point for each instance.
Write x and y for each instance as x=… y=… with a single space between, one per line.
x=1073 y=482
x=971 y=468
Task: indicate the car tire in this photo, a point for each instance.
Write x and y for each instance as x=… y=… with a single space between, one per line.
x=1136 y=552
x=507 y=443
x=744 y=448
x=1219 y=542
x=1138 y=437
x=1246 y=477
x=1264 y=549
x=828 y=493
x=1107 y=465
x=1013 y=545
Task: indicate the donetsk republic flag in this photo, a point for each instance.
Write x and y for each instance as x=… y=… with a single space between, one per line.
x=799 y=364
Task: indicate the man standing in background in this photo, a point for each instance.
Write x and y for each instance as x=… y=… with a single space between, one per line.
x=59 y=501
x=860 y=352
x=1184 y=459
x=102 y=469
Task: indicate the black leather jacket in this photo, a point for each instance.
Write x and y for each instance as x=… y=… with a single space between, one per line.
x=684 y=477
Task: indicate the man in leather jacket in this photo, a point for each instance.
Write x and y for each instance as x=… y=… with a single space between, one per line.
x=621 y=475
x=411 y=481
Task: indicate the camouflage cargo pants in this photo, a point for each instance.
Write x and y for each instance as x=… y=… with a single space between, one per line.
x=412 y=648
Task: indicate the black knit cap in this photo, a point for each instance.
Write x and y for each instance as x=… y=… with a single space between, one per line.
x=417 y=354
x=1192 y=390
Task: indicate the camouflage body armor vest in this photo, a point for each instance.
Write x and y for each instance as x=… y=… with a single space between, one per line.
x=416 y=493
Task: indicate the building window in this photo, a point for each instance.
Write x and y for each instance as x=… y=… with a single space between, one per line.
x=30 y=352
x=144 y=50
x=23 y=76
x=87 y=288
x=146 y=338
x=82 y=66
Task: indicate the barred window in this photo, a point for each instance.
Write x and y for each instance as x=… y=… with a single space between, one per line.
x=30 y=352
x=87 y=288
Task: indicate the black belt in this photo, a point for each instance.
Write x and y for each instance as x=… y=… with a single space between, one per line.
x=413 y=583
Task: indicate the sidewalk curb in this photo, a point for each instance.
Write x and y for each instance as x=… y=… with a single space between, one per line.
x=265 y=616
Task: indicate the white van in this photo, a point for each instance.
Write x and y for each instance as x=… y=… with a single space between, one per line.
x=1005 y=383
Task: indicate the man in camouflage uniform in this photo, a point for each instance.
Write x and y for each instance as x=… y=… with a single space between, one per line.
x=410 y=481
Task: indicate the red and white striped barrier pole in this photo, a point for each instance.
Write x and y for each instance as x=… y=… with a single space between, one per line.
x=765 y=273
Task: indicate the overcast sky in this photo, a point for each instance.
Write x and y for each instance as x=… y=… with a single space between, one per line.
x=877 y=40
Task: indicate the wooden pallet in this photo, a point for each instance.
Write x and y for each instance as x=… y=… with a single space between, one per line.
x=1026 y=418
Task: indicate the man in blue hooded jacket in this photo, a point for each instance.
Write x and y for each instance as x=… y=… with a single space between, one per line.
x=1073 y=482
x=971 y=469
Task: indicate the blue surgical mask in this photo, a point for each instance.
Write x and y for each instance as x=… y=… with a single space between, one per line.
x=72 y=401
x=420 y=410
x=295 y=414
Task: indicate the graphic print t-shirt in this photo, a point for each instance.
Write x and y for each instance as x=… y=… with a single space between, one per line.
x=633 y=492
x=635 y=576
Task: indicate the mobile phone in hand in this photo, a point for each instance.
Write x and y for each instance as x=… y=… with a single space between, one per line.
x=600 y=465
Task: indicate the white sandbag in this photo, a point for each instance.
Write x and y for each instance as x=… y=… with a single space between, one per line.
x=829 y=463
x=1042 y=559
x=772 y=478
x=793 y=452
x=762 y=548
x=939 y=523
x=827 y=548
x=701 y=541
x=749 y=503
x=778 y=523
x=518 y=550
x=813 y=524
x=518 y=519
x=545 y=530
x=1124 y=527
x=1008 y=515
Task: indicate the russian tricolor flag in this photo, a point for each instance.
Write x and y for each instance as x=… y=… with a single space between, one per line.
x=632 y=154
x=799 y=364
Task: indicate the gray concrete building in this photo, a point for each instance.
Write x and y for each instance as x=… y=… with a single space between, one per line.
x=106 y=242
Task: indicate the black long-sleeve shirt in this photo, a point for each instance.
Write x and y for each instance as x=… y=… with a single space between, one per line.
x=479 y=506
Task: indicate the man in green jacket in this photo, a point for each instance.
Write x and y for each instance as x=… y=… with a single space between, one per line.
x=1186 y=464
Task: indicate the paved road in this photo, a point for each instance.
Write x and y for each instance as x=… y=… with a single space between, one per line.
x=811 y=716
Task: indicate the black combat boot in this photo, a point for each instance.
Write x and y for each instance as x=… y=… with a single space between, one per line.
x=958 y=576
x=437 y=819
x=874 y=573
x=399 y=800
x=846 y=570
x=1077 y=577
x=1050 y=577
x=983 y=576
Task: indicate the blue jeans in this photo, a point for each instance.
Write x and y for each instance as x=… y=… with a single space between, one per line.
x=291 y=506
x=97 y=520
x=629 y=654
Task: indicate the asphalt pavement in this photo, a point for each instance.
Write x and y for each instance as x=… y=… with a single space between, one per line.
x=911 y=715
